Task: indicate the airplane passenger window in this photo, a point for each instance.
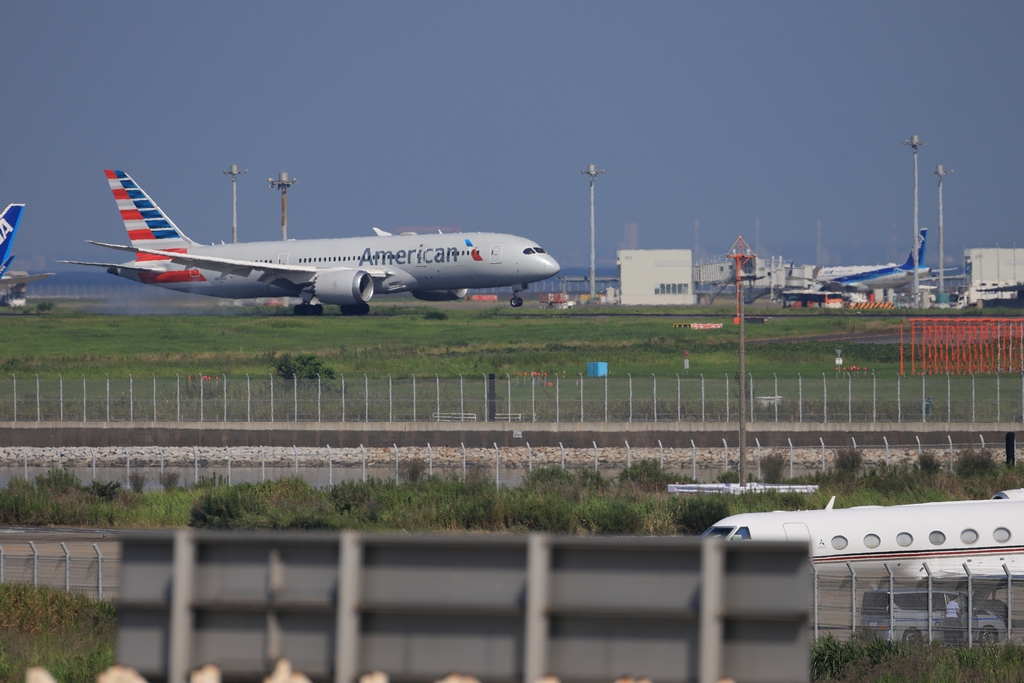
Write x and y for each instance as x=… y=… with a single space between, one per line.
x=936 y=538
x=1002 y=534
x=872 y=541
x=904 y=539
x=969 y=536
x=838 y=542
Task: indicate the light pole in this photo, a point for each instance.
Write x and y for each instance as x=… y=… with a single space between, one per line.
x=741 y=254
x=282 y=183
x=940 y=171
x=593 y=173
x=914 y=142
x=234 y=172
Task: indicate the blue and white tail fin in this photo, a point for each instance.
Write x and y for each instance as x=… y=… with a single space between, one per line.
x=147 y=225
x=9 y=221
x=909 y=265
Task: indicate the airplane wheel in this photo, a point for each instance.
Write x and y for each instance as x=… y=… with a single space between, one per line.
x=516 y=301
x=357 y=309
x=318 y=309
x=301 y=309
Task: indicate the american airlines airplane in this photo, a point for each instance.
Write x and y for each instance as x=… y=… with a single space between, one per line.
x=868 y=278
x=986 y=535
x=345 y=271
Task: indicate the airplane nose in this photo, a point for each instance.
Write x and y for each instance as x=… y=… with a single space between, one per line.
x=550 y=266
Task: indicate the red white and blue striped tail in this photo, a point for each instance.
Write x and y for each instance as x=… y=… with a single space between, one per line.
x=147 y=225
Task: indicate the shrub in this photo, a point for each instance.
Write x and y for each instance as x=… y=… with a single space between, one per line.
x=169 y=481
x=435 y=314
x=105 y=490
x=646 y=476
x=848 y=461
x=773 y=467
x=729 y=477
x=412 y=469
x=137 y=481
x=303 y=366
x=44 y=306
x=929 y=463
x=694 y=514
x=970 y=463
x=58 y=481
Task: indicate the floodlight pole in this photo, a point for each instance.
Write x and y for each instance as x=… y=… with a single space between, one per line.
x=282 y=183
x=593 y=173
x=914 y=142
x=940 y=171
x=234 y=172
x=741 y=254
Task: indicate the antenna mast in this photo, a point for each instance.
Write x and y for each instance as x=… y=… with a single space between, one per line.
x=914 y=142
x=282 y=183
x=593 y=173
x=940 y=171
x=234 y=172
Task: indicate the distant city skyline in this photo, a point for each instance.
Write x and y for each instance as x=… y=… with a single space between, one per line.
x=480 y=115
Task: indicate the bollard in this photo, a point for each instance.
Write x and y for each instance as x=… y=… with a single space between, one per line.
x=363 y=450
x=99 y=572
x=67 y=567
x=1011 y=456
x=330 y=467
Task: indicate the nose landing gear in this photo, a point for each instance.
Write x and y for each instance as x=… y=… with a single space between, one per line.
x=516 y=301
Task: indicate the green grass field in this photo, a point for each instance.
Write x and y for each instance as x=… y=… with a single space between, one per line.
x=401 y=340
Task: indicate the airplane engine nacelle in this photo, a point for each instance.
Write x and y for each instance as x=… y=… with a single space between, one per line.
x=1009 y=494
x=440 y=295
x=343 y=287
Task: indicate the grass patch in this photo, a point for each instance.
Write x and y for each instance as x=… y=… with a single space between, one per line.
x=70 y=635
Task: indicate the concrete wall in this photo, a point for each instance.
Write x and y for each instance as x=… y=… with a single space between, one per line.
x=656 y=277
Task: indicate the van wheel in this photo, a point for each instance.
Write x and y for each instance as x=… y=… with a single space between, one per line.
x=913 y=636
x=988 y=636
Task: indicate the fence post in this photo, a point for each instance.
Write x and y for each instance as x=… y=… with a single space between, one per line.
x=295 y=453
x=886 y=450
x=775 y=396
x=824 y=402
x=750 y=375
x=108 y=396
x=702 y=397
x=228 y=449
x=630 y=396
x=391 y=404
x=814 y=571
x=928 y=571
x=224 y=378
x=563 y=452
x=263 y=465
x=202 y=399
x=874 y=403
x=679 y=398
x=790 y=457
x=84 y=413
x=195 y=463
x=581 y=398
x=177 y=380
x=361 y=448
x=154 y=399
x=1 y=564
x=822 y=453
x=497 y=462
x=487 y=405
x=800 y=395
x=558 y=401
x=414 y=398
x=654 y=384
x=330 y=466
x=463 y=462
x=1010 y=602
x=853 y=599
x=508 y=381
x=849 y=397
x=295 y=396
x=924 y=414
x=725 y=445
x=661 y=451
x=131 y=397
x=595 y=455
x=758 y=442
x=92 y=450
x=694 y=447
x=99 y=572
x=67 y=567
x=606 y=394
x=462 y=400
x=430 y=460
x=629 y=456
x=533 y=398
x=727 y=397
x=999 y=412
x=248 y=398
x=950 y=453
x=14 y=381
x=437 y=384
x=918 y=445
x=128 y=468
x=899 y=398
x=271 y=397
x=60 y=381
x=970 y=606
x=35 y=564
x=396 y=461
x=892 y=600
x=39 y=414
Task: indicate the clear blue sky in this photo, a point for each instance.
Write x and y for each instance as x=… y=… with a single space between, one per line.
x=481 y=115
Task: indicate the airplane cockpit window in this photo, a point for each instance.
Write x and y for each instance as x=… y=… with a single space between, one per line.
x=743 y=533
x=539 y=250
x=528 y=250
x=718 y=532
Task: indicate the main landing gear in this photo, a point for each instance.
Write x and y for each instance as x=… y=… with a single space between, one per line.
x=308 y=309
x=356 y=309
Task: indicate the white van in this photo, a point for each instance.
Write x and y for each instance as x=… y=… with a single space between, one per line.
x=910 y=623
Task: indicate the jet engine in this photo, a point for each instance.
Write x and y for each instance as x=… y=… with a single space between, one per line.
x=343 y=287
x=440 y=295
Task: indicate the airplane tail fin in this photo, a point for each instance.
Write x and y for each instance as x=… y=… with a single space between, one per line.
x=9 y=221
x=909 y=265
x=147 y=225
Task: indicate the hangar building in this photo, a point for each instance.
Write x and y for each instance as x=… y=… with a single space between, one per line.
x=652 y=277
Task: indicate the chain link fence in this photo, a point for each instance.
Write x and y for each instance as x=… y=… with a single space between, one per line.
x=831 y=398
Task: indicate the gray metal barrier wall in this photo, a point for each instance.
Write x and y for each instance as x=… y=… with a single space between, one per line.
x=502 y=608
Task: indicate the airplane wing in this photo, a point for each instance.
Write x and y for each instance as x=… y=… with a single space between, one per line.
x=271 y=272
x=11 y=280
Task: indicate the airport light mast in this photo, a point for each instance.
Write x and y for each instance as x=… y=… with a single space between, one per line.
x=914 y=142
x=940 y=171
x=282 y=183
x=234 y=172
x=741 y=254
x=593 y=173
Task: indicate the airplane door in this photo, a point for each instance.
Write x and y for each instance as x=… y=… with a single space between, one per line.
x=282 y=258
x=797 y=532
x=495 y=253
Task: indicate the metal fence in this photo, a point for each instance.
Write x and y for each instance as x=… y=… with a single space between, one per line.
x=911 y=603
x=852 y=397
x=71 y=565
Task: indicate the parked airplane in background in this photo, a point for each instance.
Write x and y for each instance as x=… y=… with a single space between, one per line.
x=344 y=271
x=869 y=278
x=9 y=221
x=986 y=535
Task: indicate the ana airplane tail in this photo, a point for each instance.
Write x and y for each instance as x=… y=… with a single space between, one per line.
x=147 y=225
x=9 y=221
x=909 y=265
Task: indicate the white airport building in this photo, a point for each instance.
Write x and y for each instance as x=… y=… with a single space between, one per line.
x=653 y=277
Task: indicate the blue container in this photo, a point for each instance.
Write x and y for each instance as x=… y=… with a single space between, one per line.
x=597 y=369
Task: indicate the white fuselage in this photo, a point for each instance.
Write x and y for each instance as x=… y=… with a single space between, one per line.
x=868 y=278
x=985 y=535
x=427 y=262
